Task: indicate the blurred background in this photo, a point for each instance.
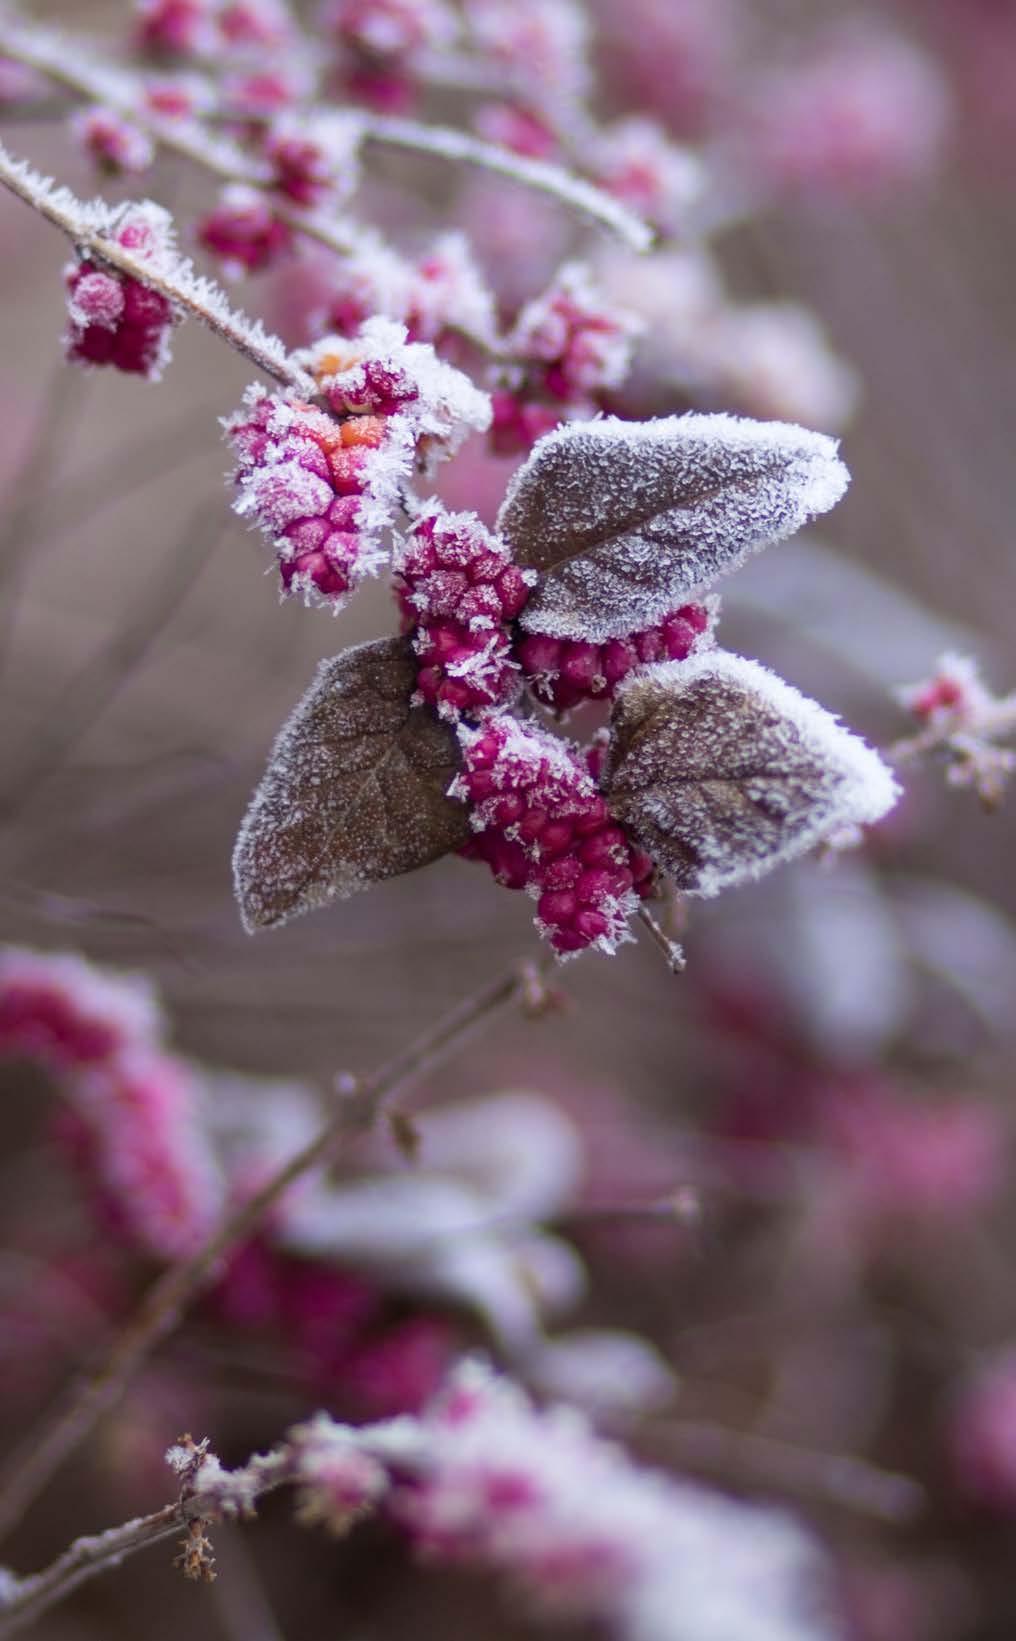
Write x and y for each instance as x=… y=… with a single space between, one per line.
x=797 y=1167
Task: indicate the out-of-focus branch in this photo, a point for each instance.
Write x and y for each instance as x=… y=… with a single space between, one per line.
x=198 y=298
x=358 y=1104
x=71 y=66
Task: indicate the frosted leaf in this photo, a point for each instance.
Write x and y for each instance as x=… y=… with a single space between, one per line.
x=721 y=771
x=625 y=520
x=355 y=790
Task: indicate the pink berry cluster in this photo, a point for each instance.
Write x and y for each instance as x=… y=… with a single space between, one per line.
x=244 y=232
x=306 y=480
x=438 y=297
x=542 y=826
x=535 y=1495
x=206 y=28
x=378 y=43
x=114 y=319
x=133 y=1120
x=323 y=484
x=459 y=592
x=115 y=144
x=564 y=672
x=570 y=345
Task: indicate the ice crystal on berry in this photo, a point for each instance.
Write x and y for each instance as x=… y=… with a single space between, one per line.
x=114 y=319
x=541 y=825
x=564 y=672
x=459 y=592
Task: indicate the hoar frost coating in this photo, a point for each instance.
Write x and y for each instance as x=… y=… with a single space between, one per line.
x=541 y=825
x=324 y=485
x=459 y=592
x=116 y=320
x=537 y=1496
x=627 y=519
x=723 y=771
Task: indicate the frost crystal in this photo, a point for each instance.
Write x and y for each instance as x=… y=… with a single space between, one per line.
x=379 y=372
x=722 y=771
x=116 y=320
x=460 y=592
x=541 y=825
x=624 y=520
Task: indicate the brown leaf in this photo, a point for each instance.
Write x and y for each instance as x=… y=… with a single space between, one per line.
x=625 y=520
x=721 y=771
x=355 y=790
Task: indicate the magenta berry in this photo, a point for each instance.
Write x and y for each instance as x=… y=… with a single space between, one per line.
x=305 y=478
x=115 y=145
x=244 y=232
x=571 y=345
x=177 y=28
x=541 y=825
x=114 y=319
x=459 y=592
x=564 y=672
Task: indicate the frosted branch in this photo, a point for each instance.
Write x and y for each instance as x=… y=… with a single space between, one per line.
x=68 y=63
x=200 y=298
x=458 y=146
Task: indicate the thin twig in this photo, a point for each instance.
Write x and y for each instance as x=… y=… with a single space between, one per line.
x=840 y=1479
x=169 y=1297
x=444 y=142
x=84 y=1558
x=672 y=952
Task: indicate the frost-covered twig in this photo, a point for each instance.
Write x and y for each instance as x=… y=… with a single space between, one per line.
x=532 y=1495
x=447 y=143
x=179 y=284
x=358 y=1106
x=963 y=721
x=23 y=1600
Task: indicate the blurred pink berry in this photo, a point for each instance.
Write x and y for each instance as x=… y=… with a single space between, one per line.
x=916 y=1160
x=660 y=181
x=114 y=143
x=65 y=1014
x=144 y=1151
x=568 y=345
x=246 y=23
x=114 y=319
x=179 y=28
x=862 y=112
x=244 y=232
x=542 y=44
x=388 y=28
x=310 y=163
x=518 y=129
x=401 y=1369
x=982 y=1435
